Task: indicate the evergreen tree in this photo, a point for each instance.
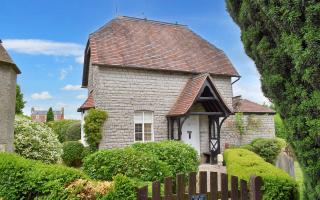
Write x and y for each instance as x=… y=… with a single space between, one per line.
x=283 y=38
x=50 y=115
x=19 y=100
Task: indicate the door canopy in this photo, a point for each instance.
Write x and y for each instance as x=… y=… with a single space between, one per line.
x=200 y=89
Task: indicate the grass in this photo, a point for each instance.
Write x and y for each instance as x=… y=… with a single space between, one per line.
x=299 y=178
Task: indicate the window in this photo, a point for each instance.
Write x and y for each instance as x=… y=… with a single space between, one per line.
x=143 y=126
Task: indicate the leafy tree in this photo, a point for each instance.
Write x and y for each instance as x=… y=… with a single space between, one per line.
x=19 y=100
x=94 y=120
x=50 y=115
x=283 y=38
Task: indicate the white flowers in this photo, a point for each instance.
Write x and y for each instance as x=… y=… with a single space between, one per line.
x=36 y=140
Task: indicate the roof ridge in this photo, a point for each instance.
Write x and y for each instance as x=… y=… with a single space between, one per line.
x=151 y=21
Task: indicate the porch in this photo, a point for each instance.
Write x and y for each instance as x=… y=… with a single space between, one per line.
x=197 y=117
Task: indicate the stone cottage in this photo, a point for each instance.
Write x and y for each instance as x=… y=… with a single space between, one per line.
x=8 y=77
x=161 y=81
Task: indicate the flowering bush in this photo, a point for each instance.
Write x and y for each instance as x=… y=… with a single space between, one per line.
x=35 y=140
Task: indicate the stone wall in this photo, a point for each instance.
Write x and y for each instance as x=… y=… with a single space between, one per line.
x=121 y=91
x=262 y=127
x=7 y=106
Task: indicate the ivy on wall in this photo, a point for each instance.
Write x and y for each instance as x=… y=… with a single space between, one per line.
x=94 y=120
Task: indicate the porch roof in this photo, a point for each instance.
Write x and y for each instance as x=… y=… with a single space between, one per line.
x=89 y=103
x=190 y=93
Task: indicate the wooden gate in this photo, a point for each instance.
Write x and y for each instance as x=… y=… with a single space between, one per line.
x=244 y=192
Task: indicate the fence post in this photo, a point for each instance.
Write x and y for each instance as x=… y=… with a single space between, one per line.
x=156 y=190
x=142 y=193
x=243 y=190
x=180 y=186
x=214 y=185
x=192 y=183
x=234 y=188
x=168 y=188
x=224 y=187
x=203 y=182
x=255 y=187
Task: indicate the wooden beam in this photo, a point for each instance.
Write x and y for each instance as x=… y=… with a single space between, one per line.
x=207 y=113
x=205 y=98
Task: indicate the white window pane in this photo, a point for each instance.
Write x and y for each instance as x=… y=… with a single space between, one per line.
x=147 y=117
x=138 y=117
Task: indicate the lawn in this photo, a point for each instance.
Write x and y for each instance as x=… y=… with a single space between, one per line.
x=299 y=177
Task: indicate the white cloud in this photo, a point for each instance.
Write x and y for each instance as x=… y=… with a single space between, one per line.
x=41 y=96
x=45 y=47
x=72 y=87
x=81 y=96
x=80 y=59
x=64 y=72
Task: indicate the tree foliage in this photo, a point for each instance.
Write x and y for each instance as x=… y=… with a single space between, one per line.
x=283 y=38
x=50 y=115
x=94 y=120
x=20 y=103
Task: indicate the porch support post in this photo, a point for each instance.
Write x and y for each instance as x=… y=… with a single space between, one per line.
x=179 y=128
x=168 y=127
x=172 y=128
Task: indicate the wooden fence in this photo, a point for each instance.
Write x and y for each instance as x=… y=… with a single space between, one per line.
x=244 y=192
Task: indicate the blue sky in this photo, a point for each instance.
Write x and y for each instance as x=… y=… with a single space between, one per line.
x=46 y=39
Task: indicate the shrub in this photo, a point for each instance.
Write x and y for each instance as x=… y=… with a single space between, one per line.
x=73 y=153
x=277 y=184
x=73 y=132
x=88 y=189
x=21 y=178
x=179 y=156
x=123 y=188
x=268 y=149
x=279 y=127
x=105 y=164
x=60 y=128
x=36 y=141
x=94 y=120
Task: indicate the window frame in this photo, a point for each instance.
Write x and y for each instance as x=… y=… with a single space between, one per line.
x=152 y=126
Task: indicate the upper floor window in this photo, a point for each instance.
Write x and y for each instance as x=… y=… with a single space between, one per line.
x=143 y=126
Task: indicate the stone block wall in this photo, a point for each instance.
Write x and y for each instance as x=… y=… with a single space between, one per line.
x=7 y=106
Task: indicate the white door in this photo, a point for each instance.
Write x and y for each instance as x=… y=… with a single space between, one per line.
x=190 y=132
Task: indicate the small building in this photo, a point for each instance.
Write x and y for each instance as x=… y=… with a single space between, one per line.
x=161 y=81
x=41 y=115
x=8 y=79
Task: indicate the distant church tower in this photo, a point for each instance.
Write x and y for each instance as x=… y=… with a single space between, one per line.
x=8 y=79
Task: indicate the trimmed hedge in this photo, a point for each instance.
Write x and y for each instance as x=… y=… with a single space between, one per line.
x=105 y=164
x=277 y=184
x=267 y=148
x=73 y=153
x=21 y=178
x=123 y=188
x=180 y=157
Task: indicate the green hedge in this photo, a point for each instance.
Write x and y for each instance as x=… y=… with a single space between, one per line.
x=60 y=127
x=179 y=156
x=123 y=188
x=73 y=153
x=73 y=132
x=277 y=184
x=21 y=178
x=105 y=164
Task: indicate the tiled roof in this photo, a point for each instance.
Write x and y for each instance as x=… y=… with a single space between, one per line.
x=141 y=43
x=190 y=93
x=246 y=106
x=4 y=57
x=89 y=103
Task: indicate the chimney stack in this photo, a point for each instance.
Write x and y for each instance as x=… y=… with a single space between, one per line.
x=32 y=110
